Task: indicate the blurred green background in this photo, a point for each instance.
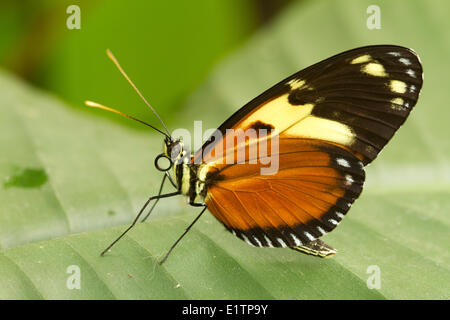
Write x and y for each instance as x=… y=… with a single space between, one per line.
x=73 y=177
x=167 y=48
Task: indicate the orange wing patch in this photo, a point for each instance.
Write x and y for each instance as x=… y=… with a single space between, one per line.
x=315 y=186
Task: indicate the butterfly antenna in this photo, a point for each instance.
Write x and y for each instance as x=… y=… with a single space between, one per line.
x=100 y=106
x=113 y=59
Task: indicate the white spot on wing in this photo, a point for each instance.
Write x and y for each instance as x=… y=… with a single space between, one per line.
x=412 y=88
x=269 y=243
x=246 y=240
x=405 y=61
x=296 y=240
x=257 y=241
x=309 y=236
x=395 y=54
x=411 y=72
x=333 y=221
x=342 y=162
x=281 y=242
x=340 y=215
x=321 y=230
x=349 y=180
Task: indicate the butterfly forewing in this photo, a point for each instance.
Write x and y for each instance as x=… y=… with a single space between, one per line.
x=356 y=99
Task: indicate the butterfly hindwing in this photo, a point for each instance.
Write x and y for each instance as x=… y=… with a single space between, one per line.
x=313 y=189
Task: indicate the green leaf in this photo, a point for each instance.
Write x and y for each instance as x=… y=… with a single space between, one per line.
x=69 y=180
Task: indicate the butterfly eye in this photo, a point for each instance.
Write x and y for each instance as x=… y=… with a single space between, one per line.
x=175 y=151
x=163 y=163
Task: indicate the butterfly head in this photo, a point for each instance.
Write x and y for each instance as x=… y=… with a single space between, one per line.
x=174 y=153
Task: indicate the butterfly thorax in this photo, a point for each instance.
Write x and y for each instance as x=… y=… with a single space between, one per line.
x=190 y=179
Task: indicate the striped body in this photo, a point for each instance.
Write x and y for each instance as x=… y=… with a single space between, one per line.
x=190 y=179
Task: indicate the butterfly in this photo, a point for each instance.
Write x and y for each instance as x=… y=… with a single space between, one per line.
x=327 y=122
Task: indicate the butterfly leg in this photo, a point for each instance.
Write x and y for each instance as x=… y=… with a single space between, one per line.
x=186 y=231
x=171 y=180
x=167 y=175
x=316 y=248
x=138 y=216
